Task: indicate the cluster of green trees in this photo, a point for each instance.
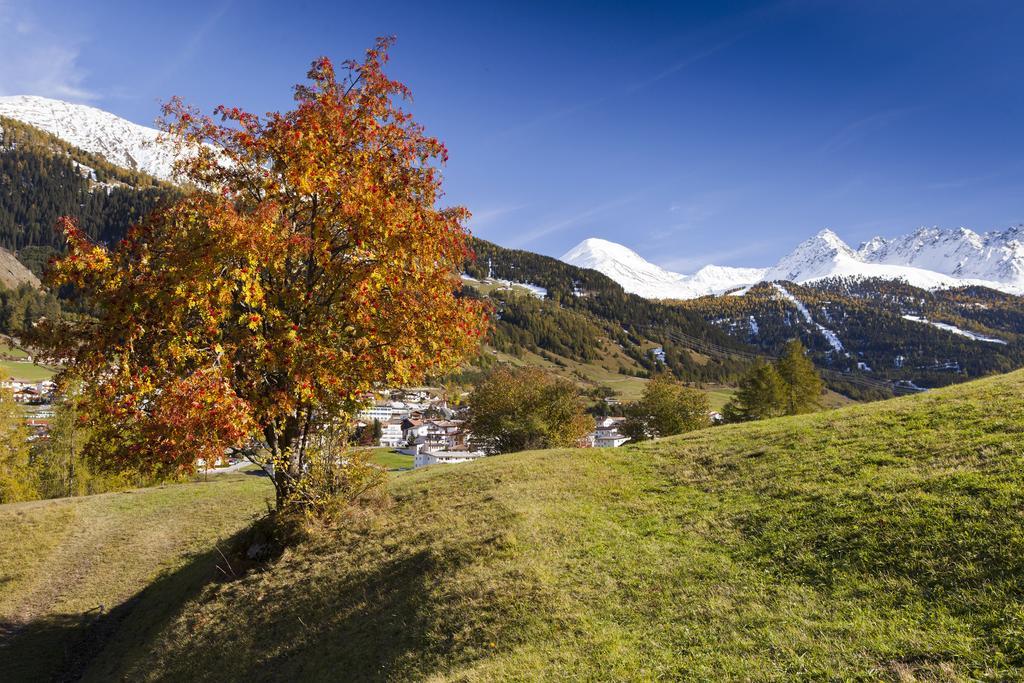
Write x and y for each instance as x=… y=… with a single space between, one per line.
x=515 y=409
x=53 y=466
x=21 y=307
x=789 y=386
x=666 y=408
x=519 y=409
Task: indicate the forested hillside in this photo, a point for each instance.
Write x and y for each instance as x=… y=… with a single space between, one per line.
x=583 y=306
x=881 y=328
x=584 y=316
x=43 y=178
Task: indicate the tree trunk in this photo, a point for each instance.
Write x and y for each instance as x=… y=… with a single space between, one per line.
x=287 y=475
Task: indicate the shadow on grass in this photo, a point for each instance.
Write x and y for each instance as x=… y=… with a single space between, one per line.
x=388 y=624
x=382 y=614
x=355 y=610
x=65 y=647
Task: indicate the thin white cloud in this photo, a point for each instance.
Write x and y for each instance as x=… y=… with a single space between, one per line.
x=486 y=217
x=567 y=222
x=623 y=90
x=37 y=60
x=860 y=128
x=191 y=47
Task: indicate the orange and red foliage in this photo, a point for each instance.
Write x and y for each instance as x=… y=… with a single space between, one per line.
x=306 y=264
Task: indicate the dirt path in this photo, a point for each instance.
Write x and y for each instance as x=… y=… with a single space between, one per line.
x=66 y=566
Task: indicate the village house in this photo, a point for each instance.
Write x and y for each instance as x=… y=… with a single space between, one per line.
x=607 y=434
x=413 y=428
x=424 y=458
x=391 y=434
x=377 y=411
x=30 y=392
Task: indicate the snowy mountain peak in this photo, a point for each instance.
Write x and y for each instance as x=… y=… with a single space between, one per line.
x=814 y=257
x=117 y=140
x=996 y=256
x=597 y=250
x=639 y=276
x=826 y=241
x=929 y=258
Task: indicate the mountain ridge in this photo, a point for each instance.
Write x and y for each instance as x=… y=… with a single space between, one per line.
x=118 y=140
x=639 y=276
x=929 y=258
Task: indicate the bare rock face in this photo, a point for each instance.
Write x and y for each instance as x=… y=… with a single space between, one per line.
x=13 y=274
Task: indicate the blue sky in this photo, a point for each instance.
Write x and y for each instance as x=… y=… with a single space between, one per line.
x=692 y=132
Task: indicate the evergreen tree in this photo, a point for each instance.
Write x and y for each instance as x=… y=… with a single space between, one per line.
x=761 y=395
x=790 y=386
x=803 y=385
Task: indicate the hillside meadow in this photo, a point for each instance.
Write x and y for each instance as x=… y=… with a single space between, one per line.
x=881 y=541
x=78 y=573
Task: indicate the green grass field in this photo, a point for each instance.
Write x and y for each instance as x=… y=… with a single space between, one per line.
x=72 y=569
x=877 y=542
x=388 y=457
x=24 y=371
x=9 y=350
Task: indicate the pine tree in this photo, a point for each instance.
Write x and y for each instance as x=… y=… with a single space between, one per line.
x=761 y=395
x=803 y=385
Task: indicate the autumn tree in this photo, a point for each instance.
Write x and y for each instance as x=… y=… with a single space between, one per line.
x=517 y=409
x=666 y=407
x=306 y=264
x=17 y=479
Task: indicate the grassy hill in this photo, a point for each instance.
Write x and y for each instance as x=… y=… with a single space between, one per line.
x=78 y=572
x=881 y=541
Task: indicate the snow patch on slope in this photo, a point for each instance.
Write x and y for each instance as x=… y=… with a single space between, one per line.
x=535 y=290
x=954 y=329
x=831 y=337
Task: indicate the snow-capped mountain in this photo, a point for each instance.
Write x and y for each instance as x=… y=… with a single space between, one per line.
x=928 y=258
x=826 y=255
x=639 y=276
x=117 y=140
x=997 y=256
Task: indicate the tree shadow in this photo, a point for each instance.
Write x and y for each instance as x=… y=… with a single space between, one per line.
x=390 y=616
x=65 y=647
x=393 y=623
